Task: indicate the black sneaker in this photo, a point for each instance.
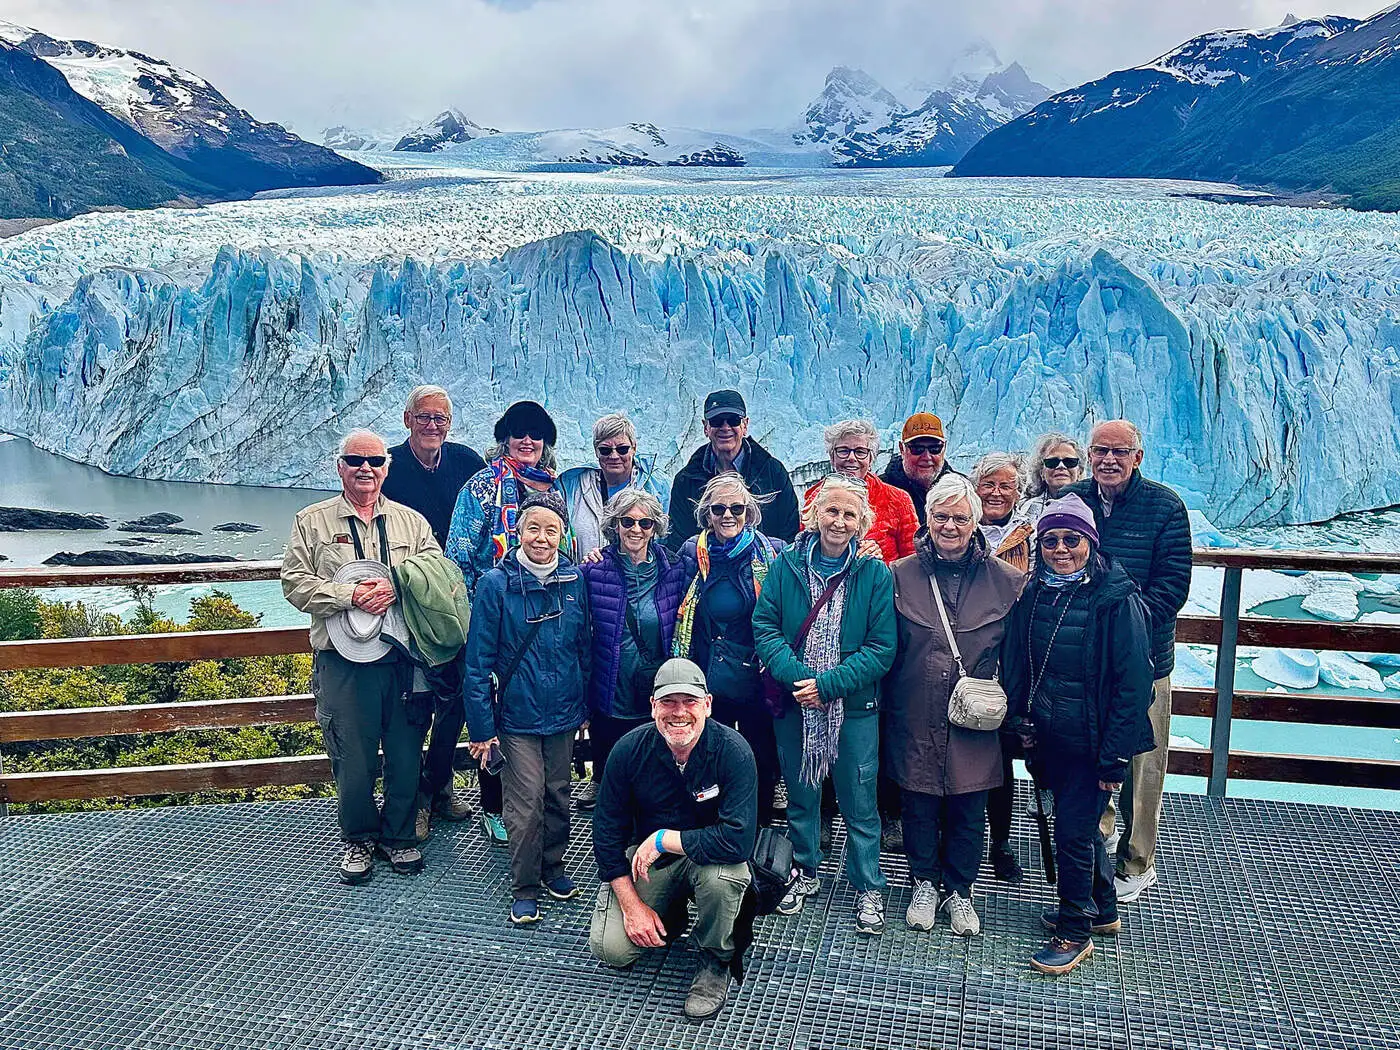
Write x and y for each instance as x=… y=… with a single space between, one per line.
x=1050 y=919
x=1005 y=866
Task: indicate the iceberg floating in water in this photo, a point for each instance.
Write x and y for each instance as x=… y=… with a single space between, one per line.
x=1295 y=668
x=1337 y=604
x=1341 y=670
x=1257 y=350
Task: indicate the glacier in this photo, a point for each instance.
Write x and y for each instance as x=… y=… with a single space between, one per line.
x=1256 y=347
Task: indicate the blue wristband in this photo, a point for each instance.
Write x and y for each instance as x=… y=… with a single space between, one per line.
x=657 y=841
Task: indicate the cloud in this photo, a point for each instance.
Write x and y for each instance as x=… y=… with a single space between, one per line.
x=518 y=64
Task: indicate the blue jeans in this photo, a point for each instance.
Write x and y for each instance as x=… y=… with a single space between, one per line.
x=855 y=774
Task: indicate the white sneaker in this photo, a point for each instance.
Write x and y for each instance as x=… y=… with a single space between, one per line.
x=1130 y=887
x=922 y=913
x=780 y=796
x=802 y=888
x=870 y=913
x=962 y=916
x=1110 y=844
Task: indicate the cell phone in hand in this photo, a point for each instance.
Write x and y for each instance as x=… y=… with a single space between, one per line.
x=495 y=760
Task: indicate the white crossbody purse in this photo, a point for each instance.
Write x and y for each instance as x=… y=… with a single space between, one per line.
x=976 y=703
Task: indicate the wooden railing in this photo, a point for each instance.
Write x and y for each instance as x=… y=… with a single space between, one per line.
x=1217 y=763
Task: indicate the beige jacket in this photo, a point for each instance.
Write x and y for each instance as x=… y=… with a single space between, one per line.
x=320 y=543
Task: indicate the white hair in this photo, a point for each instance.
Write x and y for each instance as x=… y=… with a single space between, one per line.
x=613 y=424
x=361 y=433
x=422 y=393
x=949 y=489
x=730 y=479
x=1133 y=427
x=849 y=428
x=995 y=461
x=811 y=512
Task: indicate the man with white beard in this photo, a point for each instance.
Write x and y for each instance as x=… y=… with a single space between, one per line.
x=676 y=819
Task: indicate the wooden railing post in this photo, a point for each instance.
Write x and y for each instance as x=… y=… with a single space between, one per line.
x=1224 y=682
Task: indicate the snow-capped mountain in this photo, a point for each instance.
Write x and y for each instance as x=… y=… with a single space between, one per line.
x=188 y=117
x=964 y=72
x=864 y=125
x=1124 y=123
x=447 y=128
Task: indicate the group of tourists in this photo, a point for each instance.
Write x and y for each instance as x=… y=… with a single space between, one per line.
x=886 y=645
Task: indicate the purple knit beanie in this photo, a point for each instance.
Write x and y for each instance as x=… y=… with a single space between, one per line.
x=1068 y=512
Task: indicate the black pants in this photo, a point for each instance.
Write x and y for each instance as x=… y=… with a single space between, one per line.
x=604 y=732
x=755 y=725
x=449 y=716
x=943 y=837
x=1086 y=874
x=888 y=794
x=1000 y=799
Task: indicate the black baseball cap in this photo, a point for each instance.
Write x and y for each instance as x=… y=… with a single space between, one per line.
x=725 y=402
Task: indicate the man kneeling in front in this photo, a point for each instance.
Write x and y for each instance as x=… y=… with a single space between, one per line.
x=676 y=819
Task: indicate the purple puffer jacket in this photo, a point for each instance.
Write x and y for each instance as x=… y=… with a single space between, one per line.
x=607 y=602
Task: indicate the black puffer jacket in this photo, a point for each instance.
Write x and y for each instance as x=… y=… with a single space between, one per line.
x=1150 y=534
x=763 y=474
x=1111 y=720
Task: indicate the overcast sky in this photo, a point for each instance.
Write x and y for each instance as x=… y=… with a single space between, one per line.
x=530 y=64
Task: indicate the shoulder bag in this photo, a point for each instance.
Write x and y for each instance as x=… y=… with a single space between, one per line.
x=976 y=703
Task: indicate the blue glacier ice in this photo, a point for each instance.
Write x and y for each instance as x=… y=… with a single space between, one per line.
x=1257 y=347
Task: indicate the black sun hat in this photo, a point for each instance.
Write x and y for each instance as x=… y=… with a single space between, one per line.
x=527 y=417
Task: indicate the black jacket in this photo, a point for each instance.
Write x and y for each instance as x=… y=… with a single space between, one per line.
x=1117 y=674
x=1150 y=534
x=894 y=474
x=432 y=493
x=763 y=474
x=643 y=791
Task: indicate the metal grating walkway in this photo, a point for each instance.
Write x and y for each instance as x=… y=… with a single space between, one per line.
x=1276 y=927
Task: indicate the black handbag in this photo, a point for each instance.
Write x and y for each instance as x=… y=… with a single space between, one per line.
x=644 y=676
x=772 y=869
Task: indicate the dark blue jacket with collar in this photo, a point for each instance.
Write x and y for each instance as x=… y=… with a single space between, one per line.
x=548 y=692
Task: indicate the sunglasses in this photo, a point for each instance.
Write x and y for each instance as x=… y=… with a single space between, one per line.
x=1068 y=462
x=1071 y=542
x=726 y=420
x=735 y=510
x=645 y=524
x=613 y=450
x=931 y=447
x=360 y=461
x=424 y=419
x=520 y=435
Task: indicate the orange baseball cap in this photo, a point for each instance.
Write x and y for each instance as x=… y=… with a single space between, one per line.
x=923 y=424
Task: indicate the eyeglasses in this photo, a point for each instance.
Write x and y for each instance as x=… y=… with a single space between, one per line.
x=527 y=434
x=1005 y=488
x=726 y=420
x=735 y=510
x=645 y=524
x=842 y=452
x=425 y=419
x=959 y=520
x=613 y=450
x=931 y=447
x=1071 y=542
x=360 y=461
x=1104 y=451
x=1068 y=462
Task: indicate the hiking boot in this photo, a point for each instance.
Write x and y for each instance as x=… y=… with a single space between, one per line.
x=423 y=825
x=780 y=796
x=357 y=862
x=1130 y=887
x=404 y=860
x=922 y=913
x=1060 y=956
x=494 y=828
x=709 y=991
x=562 y=888
x=524 y=912
x=1005 y=866
x=450 y=806
x=1050 y=919
x=802 y=887
x=587 y=796
x=892 y=836
x=962 y=916
x=870 y=913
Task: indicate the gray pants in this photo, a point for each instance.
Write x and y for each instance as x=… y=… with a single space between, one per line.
x=1140 y=801
x=535 y=785
x=717 y=890
x=359 y=708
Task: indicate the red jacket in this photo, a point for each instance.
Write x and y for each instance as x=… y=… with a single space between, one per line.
x=895 y=521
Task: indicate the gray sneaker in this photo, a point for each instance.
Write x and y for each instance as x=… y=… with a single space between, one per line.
x=405 y=861
x=1130 y=887
x=802 y=888
x=357 y=862
x=923 y=909
x=962 y=916
x=870 y=913
x=423 y=825
x=709 y=991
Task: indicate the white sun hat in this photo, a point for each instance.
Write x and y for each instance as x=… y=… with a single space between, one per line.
x=363 y=637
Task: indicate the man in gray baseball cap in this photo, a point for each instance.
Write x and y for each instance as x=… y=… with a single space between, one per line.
x=676 y=819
